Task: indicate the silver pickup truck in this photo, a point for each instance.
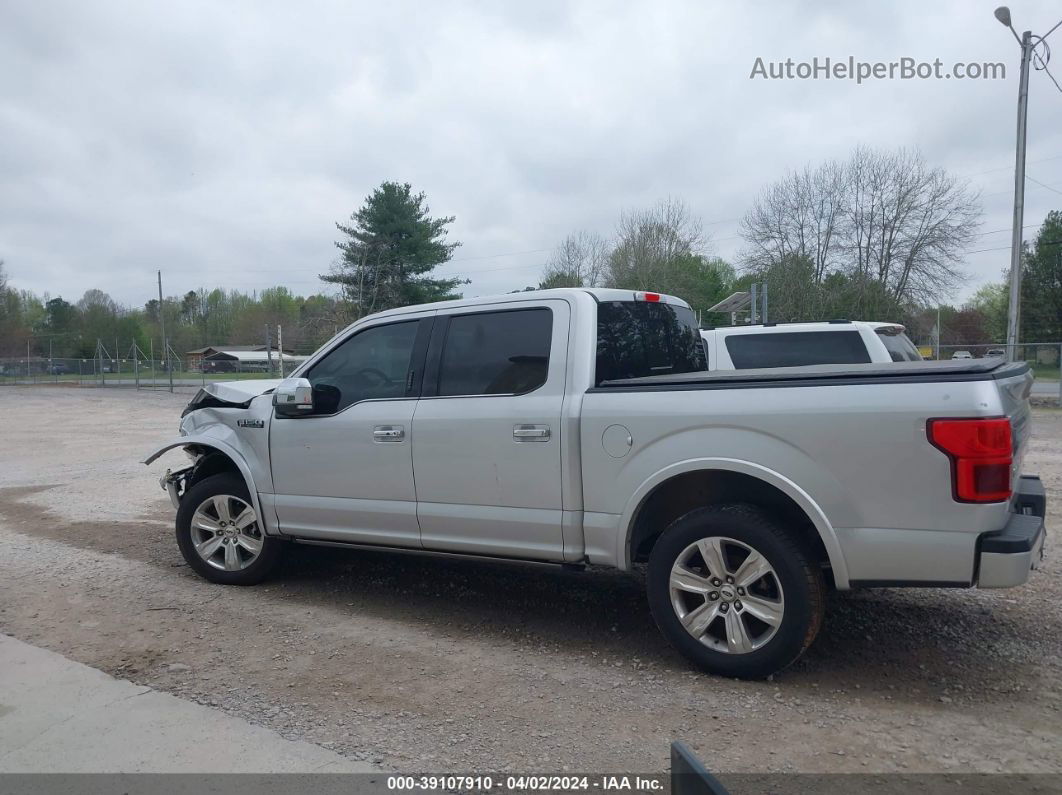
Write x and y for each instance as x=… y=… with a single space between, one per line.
x=582 y=427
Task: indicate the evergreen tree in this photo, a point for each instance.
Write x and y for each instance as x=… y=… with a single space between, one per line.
x=390 y=250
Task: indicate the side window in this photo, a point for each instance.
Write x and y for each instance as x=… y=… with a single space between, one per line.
x=900 y=347
x=637 y=339
x=796 y=349
x=373 y=364
x=496 y=353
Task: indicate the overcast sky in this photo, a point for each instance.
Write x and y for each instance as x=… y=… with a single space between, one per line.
x=222 y=141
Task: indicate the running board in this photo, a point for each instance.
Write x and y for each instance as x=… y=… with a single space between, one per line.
x=438 y=553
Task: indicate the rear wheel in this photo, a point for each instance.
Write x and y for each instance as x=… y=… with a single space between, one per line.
x=734 y=592
x=221 y=536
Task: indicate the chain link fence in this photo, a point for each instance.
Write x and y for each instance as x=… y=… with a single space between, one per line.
x=132 y=373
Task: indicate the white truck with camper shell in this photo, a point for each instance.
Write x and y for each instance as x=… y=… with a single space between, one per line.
x=582 y=426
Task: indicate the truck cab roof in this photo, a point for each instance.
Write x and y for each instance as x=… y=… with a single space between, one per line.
x=599 y=294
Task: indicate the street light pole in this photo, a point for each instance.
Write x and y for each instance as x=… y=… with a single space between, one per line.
x=1014 y=309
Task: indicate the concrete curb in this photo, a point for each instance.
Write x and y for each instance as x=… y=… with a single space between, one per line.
x=59 y=716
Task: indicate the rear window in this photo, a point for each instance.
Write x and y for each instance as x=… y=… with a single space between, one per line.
x=796 y=349
x=637 y=339
x=496 y=353
x=900 y=347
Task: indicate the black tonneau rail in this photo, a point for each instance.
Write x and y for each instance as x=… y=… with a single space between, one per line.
x=993 y=369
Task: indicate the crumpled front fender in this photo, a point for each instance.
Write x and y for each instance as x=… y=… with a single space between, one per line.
x=212 y=442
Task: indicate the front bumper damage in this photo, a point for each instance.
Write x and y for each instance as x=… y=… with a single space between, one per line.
x=1005 y=557
x=175 y=483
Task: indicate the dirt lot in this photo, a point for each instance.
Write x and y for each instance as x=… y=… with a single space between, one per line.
x=425 y=664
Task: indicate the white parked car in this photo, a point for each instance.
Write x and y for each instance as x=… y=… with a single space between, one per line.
x=962 y=355
x=801 y=344
x=582 y=426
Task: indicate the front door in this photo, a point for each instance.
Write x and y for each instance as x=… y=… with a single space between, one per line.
x=487 y=432
x=345 y=472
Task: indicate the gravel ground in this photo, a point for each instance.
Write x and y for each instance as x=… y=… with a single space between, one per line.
x=428 y=664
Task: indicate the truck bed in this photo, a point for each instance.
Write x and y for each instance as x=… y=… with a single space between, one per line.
x=994 y=369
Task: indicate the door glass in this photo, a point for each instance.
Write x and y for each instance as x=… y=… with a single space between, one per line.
x=371 y=365
x=496 y=353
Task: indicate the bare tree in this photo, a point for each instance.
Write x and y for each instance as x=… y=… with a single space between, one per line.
x=580 y=261
x=798 y=217
x=650 y=242
x=893 y=226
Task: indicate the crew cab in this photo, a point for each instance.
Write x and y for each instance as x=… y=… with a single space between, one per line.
x=582 y=426
x=795 y=344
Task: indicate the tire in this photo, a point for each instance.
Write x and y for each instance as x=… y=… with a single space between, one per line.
x=232 y=559
x=782 y=609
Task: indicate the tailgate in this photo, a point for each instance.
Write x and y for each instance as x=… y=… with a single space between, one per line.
x=1014 y=395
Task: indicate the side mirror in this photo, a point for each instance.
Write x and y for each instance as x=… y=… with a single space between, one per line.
x=293 y=397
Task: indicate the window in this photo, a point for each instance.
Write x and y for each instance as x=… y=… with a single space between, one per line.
x=496 y=353
x=795 y=349
x=900 y=347
x=636 y=339
x=373 y=364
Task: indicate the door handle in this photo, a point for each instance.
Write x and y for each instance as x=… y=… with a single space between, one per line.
x=531 y=433
x=388 y=433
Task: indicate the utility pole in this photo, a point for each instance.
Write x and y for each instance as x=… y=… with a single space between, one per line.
x=165 y=342
x=755 y=300
x=763 y=319
x=937 y=340
x=269 y=349
x=1025 y=41
x=1014 y=310
x=280 y=350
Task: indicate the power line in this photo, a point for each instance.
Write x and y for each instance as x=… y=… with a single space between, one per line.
x=1011 y=167
x=999 y=248
x=1042 y=38
x=1042 y=185
x=1048 y=71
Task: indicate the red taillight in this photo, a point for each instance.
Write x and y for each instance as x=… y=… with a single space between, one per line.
x=981 y=453
x=651 y=297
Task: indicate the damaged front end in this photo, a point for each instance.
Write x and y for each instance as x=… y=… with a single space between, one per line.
x=223 y=428
x=176 y=482
x=229 y=395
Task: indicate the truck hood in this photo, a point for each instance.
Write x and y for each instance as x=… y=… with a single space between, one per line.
x=240 y=391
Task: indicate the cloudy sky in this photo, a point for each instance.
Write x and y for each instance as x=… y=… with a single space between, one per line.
x=220 y=142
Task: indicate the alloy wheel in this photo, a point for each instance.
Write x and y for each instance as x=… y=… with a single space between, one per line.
x=726 y=595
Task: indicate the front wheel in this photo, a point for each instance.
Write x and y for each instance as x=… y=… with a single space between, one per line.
x=734 y=592
x=220 y=535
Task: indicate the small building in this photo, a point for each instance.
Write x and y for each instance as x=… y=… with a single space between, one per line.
x=232 y=360
x=193 y=360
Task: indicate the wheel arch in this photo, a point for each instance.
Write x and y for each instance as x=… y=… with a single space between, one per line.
x=681 y=487
x=221 y=457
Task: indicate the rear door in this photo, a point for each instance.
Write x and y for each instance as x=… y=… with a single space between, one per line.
x=487 y=431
